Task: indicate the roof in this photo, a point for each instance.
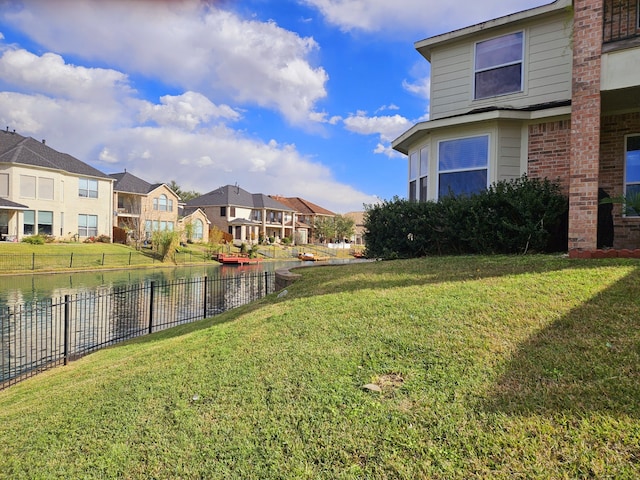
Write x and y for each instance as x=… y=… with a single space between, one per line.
x=425 y=46
x=234 y=196
x=16 y=149
x=302 y=206
x=357 y=217
x=9 y=205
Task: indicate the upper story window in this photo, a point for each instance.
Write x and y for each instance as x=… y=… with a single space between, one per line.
x=4 y=185
x=27 y=186
x=463 y=165
x=223 y=211
x=632 y=171
x=161 y=204
x=87 y=188
x=499 y=66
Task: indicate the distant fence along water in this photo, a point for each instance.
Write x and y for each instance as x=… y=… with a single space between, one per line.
x=46 y=333
x=33 y=261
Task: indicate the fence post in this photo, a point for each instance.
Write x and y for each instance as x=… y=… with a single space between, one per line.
x=33 y=261
x=266 y=283
x=204 y=310
x=153 y=284
x=66 y=329
x=71 y=261
x=103 y=259
x=129 y=258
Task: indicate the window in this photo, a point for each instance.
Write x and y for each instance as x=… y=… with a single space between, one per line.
x=463 y=165
x=87 y=225
x=424 y=172
x=223 y=211
x=412 y=191
x=4 y=185
x=162 y=203
x=87 y=188
x=632 y=169
x=197 y=229
x=414 y=166
x=498 y=66
x=232 y=211
x=45 y=223
x=155 y=203
x=27 y=186
x=28 y=222
x=45 y=188
x=169 y=205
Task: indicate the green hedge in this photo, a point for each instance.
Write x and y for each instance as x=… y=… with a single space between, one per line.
x=516 y=216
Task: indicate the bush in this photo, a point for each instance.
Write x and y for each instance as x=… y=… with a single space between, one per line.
x=34 y=239
x=516 y=216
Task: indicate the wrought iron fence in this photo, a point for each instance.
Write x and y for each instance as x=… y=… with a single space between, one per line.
x=621 y=20
x=37 y=261
x=44 y=334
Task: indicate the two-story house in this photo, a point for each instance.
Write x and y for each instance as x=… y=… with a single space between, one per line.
x=43 y=191
x=307 y=213
x=552 y=91
x=143 y=208
x=249 y=217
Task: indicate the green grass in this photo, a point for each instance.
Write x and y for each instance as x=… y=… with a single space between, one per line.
x=489 y=367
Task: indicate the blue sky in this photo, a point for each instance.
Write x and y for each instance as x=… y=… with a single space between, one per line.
x=288 y=97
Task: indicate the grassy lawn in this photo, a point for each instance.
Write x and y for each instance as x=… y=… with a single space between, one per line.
x=488 y=367
x=19 y=257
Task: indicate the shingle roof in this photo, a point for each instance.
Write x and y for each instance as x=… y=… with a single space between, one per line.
x=233 y=195
x=128 y=183
x=14 y=148
x=9 y=205
x=303 y=206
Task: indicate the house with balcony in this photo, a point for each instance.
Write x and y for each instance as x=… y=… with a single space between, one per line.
x=43 y=191
x=248 y=217
x=307 y=214
x=142 y=208
x=551 y=92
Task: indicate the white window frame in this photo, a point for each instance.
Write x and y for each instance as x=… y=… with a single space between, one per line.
x=85 y=189
x=477 y=70
x=86 y=227
x=460 y=170
x=423 y=176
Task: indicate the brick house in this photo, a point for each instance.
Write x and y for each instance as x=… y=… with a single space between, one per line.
x=143 y=208
x=552 y=91
x=248 y=217
x=306 y=215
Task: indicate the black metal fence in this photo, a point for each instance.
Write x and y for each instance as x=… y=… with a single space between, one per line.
x=33 y=261
x=43 y=334
x=621 y=20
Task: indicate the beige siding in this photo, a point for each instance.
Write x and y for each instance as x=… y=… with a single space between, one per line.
x=509 y=144
x=547 y=73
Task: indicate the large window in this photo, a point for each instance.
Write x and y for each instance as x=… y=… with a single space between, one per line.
x=45 y=188
x=499 y=66
x=27 y=186
x=632 y=170
x=424 y=172
x=29 y=222
x=4 y=185
x=463 y=165
x=45 y=223
x=160 y=203
x=87 y=225
x=414 y=168
x=223 y=211
x=87 y=188
x=197 y=229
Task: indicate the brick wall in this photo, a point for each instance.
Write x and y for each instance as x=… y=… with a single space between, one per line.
x=549 y=148
x=585 y=125
x=612 y=157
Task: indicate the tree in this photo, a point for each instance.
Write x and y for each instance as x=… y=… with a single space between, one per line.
x=345 y=227
x=185 y=195
x=334 y=228
x=324 y=228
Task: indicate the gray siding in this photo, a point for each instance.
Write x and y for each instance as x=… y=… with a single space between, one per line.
x=547 y=73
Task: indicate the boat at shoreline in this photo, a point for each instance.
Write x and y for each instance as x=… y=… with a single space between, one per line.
x=236 y=258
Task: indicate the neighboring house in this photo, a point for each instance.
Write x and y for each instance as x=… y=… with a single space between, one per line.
x=358 y=226
x=306 y=215
x=553 y=92
x=143 y=208
x=194 y=225
x=49 y=192
x=249 y=217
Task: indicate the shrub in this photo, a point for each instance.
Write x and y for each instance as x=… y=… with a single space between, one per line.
x=165 y=244
x=516 y=216
x=103 y=239
x=34 y=239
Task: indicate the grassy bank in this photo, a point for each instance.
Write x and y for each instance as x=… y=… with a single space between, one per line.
x=488 y=367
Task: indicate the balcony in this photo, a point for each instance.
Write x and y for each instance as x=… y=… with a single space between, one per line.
x=620 y=21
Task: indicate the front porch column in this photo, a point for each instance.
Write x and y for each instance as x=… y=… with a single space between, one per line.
x=584 y=158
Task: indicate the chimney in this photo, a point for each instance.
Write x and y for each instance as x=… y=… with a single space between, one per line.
x=44 y=142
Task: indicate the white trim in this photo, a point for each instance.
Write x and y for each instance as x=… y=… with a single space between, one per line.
x=495 y=67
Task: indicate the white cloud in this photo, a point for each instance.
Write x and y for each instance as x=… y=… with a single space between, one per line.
x=189 y=44
x=188 y=111
x=387 y=127
x=414 y=17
